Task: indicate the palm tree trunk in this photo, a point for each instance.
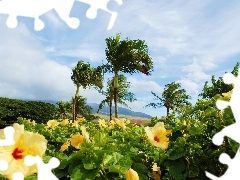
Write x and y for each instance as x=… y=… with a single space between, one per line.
x=73 y=109
x=168 y=109
x=110 y=108
x=115 y=94
x=75 y=102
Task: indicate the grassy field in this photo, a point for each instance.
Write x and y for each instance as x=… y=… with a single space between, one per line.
x=133 y=119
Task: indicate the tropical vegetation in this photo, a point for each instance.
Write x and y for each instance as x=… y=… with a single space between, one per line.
x=177 y=146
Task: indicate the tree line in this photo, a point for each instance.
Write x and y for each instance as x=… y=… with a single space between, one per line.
x=123 y=56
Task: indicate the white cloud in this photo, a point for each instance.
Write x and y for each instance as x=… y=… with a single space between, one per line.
x=147 y=86
x=54 y=20
x=93 y=96
x=195 y=72
x=26 y=72
x=93 y=52
x=189 y=86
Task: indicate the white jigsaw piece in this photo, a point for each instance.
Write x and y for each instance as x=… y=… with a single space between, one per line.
x=232 y=172
x=231 y=131
x=9 y=140
x=100 y=4
x=44 y=170
x=36 y=8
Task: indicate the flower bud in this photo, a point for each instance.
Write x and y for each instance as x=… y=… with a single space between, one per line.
x=132 y=175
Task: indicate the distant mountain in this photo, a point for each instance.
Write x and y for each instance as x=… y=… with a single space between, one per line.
x=105 y=110
x=121 y=110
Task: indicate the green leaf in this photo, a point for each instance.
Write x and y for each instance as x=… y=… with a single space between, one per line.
x=177 y=153
x=90 y=163
x=121 y=166
x=194 y=131
x=79 y=173
x=142 y=176
x=193 y=170
x=63 y=164
x=107 y=159
x=140 y=168
x=234 y=145
x=176 y=169
x=60 y=172
x=32 y=177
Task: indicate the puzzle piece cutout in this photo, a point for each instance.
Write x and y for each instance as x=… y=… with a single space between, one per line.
x=9 y=140
x=231 y=131
x=36 y=8
x=232 y=172
x=3 y=165
x=18 y=176
x=44 y=170
x=100 y=4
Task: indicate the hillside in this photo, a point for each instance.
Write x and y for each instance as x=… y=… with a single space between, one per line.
x=105 y=110
x=121 y=110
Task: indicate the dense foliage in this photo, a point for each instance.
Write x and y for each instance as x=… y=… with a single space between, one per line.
x=11 y=109
x=175 y=147
x=108 y=149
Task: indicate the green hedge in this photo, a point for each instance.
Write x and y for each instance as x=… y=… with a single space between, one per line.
x=11 y=109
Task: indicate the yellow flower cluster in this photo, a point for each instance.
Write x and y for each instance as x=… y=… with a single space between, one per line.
x=52 y=124
x=102 y=123
x=120 y=123
x=31 y=122
x=82 y=119
x=26 y=143
x=64 y=122
x=110 y=124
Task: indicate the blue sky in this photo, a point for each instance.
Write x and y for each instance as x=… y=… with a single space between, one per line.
x=188 y=41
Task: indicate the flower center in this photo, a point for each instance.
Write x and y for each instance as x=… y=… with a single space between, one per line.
x=156 y=139
x=17 y=154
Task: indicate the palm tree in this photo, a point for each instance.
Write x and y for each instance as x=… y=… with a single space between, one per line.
x=172 y=97
x=127 y=56
x=83 y=75
x=123 y=94
x=62 y=109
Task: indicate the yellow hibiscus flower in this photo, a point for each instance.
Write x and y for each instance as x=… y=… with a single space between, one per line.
x=26 y=143
x=64 y=122
x=131 y=175
x=52 y=123
x=76 y=140
x=120 y=123
x=157 y=135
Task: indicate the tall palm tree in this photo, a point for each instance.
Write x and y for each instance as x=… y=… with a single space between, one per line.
x=123 y=94
x=172 y=97
x=83 y=75
x=127 y=56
